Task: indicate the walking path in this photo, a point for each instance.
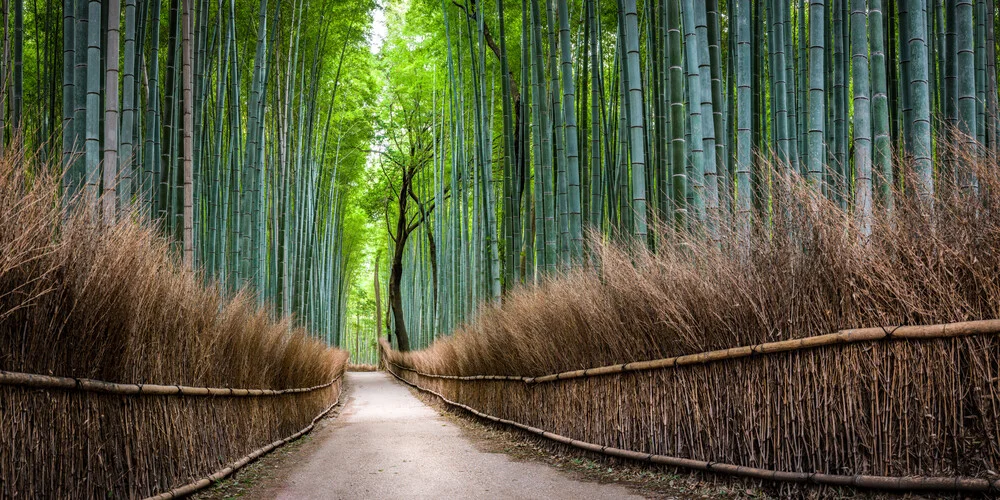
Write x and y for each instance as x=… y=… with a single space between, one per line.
x=387 y=444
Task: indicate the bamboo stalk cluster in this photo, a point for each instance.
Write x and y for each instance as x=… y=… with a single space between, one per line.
x=121 y=374
x=613 y=117
x=716 y=354
x=227 y=125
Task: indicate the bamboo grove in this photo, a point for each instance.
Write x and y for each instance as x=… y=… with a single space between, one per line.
x=548 y=120
x=232 y=125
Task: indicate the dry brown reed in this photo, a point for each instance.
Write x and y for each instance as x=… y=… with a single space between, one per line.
x=928 y=407
x=85 y=300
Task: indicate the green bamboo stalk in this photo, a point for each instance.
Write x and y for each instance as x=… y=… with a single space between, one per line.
x=714 y=34
x=817 y=90
x=17 y=89
x=711 y=180
x=966 y=86
x=679 y=179
x=188 y=130
x=111 y=145
x=882 y=153
x=71 y=178
x=744 y=49
x=596 y=129
x=921 y=127
x=128 y=116
x=637 y=131
x=151 y=164
x=544 y=182
x=572 y=147
x=695 y=115
x=511 y=217
x=93 y=120
x=838 y=107
x=862 y=116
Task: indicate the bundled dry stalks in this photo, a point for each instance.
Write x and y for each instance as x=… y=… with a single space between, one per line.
x=889 y=407
x=80 y=299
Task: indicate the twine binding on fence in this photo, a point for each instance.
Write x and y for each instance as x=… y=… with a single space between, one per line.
x=237 y=465
x=90 y=385
x=848 y=336
x=909 y=483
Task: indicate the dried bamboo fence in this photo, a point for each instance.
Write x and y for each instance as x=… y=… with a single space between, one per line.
x=81 y=438
x=898 y=408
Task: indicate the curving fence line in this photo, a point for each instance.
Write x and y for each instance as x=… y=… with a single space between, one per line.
x=848 y=336
x=239 y=464
x=668 y=405
x=65 y=437
x=90 y=385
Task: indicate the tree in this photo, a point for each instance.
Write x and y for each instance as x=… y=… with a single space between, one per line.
x=410 y=150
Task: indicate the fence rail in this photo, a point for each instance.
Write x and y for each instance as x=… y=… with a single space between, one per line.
x=223 y=473
x=90 y=385
x=848 y=336
x=846 y=405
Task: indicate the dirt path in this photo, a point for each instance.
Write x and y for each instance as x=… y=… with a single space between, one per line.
x=389 y=444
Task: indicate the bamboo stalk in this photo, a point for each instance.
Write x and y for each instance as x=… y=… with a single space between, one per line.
x=848 y=336
x=907 y=483
x=90 y=385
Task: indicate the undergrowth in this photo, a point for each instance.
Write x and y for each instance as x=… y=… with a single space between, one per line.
x=80 y=298
x=805 y=268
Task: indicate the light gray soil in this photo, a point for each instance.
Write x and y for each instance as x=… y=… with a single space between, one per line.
x=389 y=444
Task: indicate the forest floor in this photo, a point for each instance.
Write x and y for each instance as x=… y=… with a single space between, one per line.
x=388 y=443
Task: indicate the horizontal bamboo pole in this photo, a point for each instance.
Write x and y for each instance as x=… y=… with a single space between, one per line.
x=849 y=336
x=239 y=464
x=91 y=385
x=908 y=483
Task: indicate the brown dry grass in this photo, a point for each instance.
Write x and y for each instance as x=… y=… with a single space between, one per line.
x=897 y=408
x=810 y=273
x=80 y=299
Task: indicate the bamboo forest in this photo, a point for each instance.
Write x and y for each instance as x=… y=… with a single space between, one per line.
x=647 y=248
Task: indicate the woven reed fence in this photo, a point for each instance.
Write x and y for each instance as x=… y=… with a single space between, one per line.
x=904 y=408
x=81 y=438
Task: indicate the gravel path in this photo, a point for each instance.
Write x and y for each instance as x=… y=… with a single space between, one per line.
x=388 y=444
